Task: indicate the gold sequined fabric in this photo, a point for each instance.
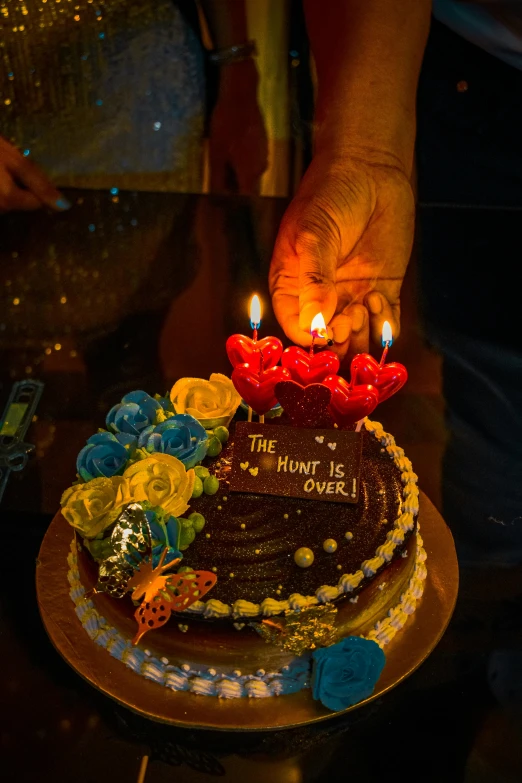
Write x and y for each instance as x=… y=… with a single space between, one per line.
x=103 y=93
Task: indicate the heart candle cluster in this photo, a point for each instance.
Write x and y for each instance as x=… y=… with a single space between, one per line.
x=317 y=397
x=306 y=384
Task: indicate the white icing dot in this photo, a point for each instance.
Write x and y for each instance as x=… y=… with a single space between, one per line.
x=260 y=672
x=185 y=667
x=165 y=661
x=236 y=673
x=212 y=672
x=354 y=600
x=147 y=652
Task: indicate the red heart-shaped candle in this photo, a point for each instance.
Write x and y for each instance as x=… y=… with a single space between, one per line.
x=349 y=404
x=387 y=379
x=257 y=389
x=306 y=369
x=243 y=350
x=305 y=406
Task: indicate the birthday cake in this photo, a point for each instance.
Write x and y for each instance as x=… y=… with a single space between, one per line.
x=237 y=558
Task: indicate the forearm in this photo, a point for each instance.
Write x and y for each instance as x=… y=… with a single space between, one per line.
x=368 y=55
x=227 y=25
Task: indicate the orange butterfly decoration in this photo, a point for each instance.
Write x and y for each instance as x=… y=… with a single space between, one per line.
x=163 y=594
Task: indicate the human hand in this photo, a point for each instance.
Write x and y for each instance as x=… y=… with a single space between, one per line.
x=238 y=140
x=23 y=185
x=343 y=247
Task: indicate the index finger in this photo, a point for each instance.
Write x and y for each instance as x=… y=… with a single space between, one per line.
x=34 y=179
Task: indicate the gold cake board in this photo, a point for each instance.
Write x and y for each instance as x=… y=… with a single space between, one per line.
x=404 y=654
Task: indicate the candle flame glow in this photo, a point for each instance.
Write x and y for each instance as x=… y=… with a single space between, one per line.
x=318 y=326
x=255 y=312
x=386 y=336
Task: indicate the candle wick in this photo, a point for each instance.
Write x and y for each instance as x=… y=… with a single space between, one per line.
x=312 y=345
x=384 y=353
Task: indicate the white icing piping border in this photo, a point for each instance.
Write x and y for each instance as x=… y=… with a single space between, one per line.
x=290 y=679
x=385 y=630
x=348 y=582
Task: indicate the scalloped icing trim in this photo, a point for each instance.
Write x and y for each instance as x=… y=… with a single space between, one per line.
x=209 y=682
x=347 y=582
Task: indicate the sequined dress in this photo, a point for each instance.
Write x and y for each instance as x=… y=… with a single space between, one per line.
x=103 y=93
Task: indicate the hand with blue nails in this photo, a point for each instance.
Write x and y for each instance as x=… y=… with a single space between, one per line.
x=23 y=185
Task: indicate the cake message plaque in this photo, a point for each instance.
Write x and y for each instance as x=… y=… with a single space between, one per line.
x=298 y=463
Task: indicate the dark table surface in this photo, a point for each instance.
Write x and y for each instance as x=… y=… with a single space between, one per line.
x=133 y=290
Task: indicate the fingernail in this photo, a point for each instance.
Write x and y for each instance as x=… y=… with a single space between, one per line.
x=375 y=303
x=62 y=203
x=358 y=320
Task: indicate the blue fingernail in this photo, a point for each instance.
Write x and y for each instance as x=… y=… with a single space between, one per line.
x=62 y=203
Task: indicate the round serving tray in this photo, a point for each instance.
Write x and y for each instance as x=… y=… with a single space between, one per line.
x=404 y=654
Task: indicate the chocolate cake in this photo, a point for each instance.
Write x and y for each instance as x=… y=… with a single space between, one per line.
x=232 y=580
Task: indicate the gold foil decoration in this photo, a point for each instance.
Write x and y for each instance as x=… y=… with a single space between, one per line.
x=298 y=632
x=130 y=541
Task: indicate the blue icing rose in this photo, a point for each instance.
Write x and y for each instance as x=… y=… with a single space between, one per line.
x=135 y=412
x=164 y=535
x=181 y=436
x=346 y=673
x=105 y=455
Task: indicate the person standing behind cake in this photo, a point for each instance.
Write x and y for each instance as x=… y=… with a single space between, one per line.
x=112 y=95
x=345 y=240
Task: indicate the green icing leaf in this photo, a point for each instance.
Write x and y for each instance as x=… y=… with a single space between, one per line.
x=99 y=549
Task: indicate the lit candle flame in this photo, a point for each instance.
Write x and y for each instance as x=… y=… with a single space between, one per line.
x=318 y=327
x=386 y=336
x=255 y=312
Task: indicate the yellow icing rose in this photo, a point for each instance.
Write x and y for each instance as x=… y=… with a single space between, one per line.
x=163 y=481
x=212 y=402
x=92 y=507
